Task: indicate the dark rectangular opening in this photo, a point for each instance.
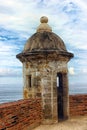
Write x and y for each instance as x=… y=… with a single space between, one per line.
x=29 y=81
x=60 y=95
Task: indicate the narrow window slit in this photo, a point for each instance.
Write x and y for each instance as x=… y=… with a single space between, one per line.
x=29 y=81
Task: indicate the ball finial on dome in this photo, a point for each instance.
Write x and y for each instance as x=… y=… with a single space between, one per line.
x=44 y=19
x=44 y=25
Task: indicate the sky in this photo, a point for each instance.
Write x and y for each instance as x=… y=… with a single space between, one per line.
x=19 y=20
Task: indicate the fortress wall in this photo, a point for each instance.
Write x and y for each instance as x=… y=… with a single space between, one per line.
x=78 y=105
x=27 y=114
x=20 y=115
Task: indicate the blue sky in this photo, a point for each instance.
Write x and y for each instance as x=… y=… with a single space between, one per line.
x=19 y=20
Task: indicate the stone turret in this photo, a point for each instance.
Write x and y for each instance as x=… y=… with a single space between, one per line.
x=45 y=59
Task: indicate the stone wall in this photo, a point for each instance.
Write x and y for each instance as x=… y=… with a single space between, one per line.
x=78 y=105
x=20 y=115
x=40 y=80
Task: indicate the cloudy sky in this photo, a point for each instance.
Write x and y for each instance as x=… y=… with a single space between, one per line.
x=19 y=20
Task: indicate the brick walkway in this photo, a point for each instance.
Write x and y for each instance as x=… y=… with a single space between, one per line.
x=77 y=123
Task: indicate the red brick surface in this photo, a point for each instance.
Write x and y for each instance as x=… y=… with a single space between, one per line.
x=78 y=105
x=20 y=114
x=24 y=114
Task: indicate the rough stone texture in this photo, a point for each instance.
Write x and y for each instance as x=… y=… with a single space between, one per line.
x=44 y=40
x=44 y=85
x=43 y=57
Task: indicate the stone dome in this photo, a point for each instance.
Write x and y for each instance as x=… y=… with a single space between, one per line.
x=44 y=39
x=44 y=43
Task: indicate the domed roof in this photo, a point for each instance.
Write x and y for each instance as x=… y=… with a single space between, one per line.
x=44 y=39
x=44 y=42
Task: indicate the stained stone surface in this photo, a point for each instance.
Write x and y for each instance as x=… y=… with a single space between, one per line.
x=44 y=56
x=44 y=84
x=44 y=41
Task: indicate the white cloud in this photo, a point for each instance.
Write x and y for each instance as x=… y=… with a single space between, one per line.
x=9 y=72
x=82 y=4
x=71 y=71
x=8 y=56
x=84 y=70
x=7 y=48
x=5 y=71
x=67 y=18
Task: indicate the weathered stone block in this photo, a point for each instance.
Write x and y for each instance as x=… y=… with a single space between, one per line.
x=44 y=57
